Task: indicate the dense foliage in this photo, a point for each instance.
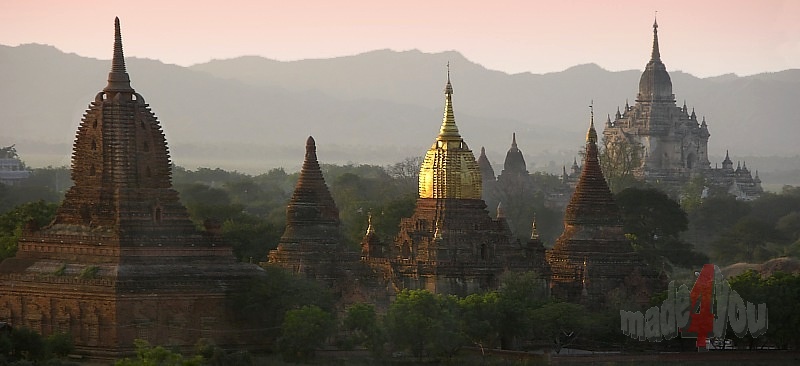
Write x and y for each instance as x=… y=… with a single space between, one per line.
x=20 y=346
x=654 y=223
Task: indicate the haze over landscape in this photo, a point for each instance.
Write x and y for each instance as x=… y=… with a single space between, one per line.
x=513 y=70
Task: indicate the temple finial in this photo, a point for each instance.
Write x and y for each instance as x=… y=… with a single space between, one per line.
x=118 y=79
x=311 y=149
x=513 y=140
x=534 y=231
x=449 y=130
x=656 y=55
x=448 y=89
x=370 y=229
x=591 y=136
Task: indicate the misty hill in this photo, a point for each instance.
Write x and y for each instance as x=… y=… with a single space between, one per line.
x=252 y=113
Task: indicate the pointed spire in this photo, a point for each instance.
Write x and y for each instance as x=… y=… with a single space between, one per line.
x=534 y=231
x=591 y=135
x=501 y=213
x=656 y=55
x=618 y=115
x=514 y=140
x=703 y=124
x=118 y=79
x=370 y=229
x=627 y=107
x=449 y=130
x=694 y=116
x=684 y=106
x=608 y=120
x=311 y=149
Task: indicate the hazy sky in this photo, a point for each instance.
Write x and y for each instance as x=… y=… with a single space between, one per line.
x=705 y=38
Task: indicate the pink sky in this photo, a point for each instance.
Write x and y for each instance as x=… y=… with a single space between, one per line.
x=705 y=38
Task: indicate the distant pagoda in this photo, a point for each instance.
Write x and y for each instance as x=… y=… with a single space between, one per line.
x=672 y=140
x=122 y=260
x=592 y=256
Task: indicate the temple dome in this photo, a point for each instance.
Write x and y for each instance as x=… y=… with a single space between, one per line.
x=655 y=83
x=514 y=162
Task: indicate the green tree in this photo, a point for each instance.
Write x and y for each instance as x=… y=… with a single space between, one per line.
x=361 y=322
x=38 y=214
x=480 y=319
x=205 y=202
x=303 y=331
x=27 y=345
x=619 y=159
x=59 y=344
x=260 y=303
x=692 y=193
x=716 y=215
x=147 y=355
x=426 y=324
x=781 y=293
x=519 y=294
x=748 y=241
x=251 y=237
x=655 y=222
x=560 y=323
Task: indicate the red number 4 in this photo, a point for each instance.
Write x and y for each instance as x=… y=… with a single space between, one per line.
x=701 y=298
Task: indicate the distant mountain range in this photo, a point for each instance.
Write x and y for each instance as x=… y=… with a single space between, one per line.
x=253 y=114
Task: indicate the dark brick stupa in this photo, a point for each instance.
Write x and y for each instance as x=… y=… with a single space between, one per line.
x=311 y=242
x=592 y=256
x=122 y=260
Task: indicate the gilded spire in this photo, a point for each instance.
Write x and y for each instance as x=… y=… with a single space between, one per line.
x=534 y=230
x=118 y=79
x=656 y=55
x=370 y=229
x=449 y=131
x=591 y=136
x=514 y=140
x=437 y=233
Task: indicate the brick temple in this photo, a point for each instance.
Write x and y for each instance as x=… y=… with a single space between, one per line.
x=311 y=242
x=122 y=260
x=592 y=258
x=451 y=244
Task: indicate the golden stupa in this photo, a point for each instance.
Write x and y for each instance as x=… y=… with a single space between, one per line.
x=449 y=169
